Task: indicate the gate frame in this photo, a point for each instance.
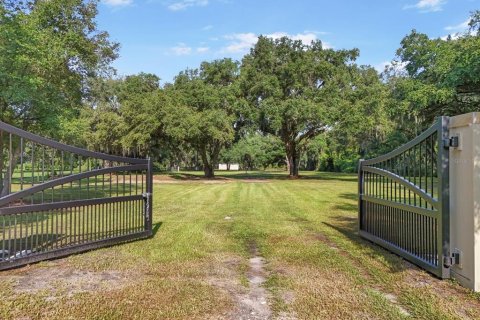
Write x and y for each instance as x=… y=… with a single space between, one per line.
x=132 y=164
x=443 y=201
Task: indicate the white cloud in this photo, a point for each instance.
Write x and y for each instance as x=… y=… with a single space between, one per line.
x=181 y=50
x=380 y=67
x=454 y=36
x=242 y=42
x=184 y=4
x=203 y=49
x=317 y=32
x=118 y=3
x=206 y=28
x=459 y=27
x=427 y=5
x=457 y=30
x=306 y=38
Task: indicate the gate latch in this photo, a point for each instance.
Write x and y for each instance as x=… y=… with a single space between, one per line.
x=454 y=259
x=453 y=142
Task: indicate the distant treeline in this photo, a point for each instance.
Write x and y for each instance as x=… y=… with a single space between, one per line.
x=286 y=104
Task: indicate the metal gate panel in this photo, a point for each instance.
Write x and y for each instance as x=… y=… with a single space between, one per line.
x=57 y=199
x=404 y=200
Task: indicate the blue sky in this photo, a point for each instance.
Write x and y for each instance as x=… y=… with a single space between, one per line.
x=166 y=36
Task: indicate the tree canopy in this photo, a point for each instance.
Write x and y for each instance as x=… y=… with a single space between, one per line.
x=285 y=104
x=48 y=51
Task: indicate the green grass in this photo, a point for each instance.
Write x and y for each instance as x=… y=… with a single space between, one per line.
x=196 y=261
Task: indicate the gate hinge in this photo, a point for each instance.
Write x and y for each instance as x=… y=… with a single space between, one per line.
x=454 y=259
x=452 y=142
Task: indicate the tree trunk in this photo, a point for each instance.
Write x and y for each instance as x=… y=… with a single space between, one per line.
x=208 y=171
x=208 y=164
x=293 y=160
x=293 y=163
x=5 y=185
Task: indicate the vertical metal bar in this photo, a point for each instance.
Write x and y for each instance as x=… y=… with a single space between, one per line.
x=21 y=163
x=21 y=234
x=443 y=198
x=432 y=159
x=415 y=173
x=3 y=236
x=110 y=183
x=10 y=166
x=95 y=226
x=104 y=220
x=420 y=172
x=33 y=166
x=109 y=219
x=88 y=179
x=55 y=213
x=62 y=164
x=426 y=168
x=80 y=180
x=123 y=183
x=71 y=173
x=31 y=221
x=116 y=175
x=395 y=183
x=90 y=229
x=149 y=212
x=10 y=234
x=136 y=182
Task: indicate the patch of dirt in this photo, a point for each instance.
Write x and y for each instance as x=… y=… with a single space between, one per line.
x=288 y=297
x=318 y=236
x=251 y=301
x=65 y=280
x=254 y=304
x=394 y=301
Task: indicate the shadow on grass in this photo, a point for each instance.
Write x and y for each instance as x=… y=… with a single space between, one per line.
x=347 y=205
x=349 y=228
x=263 y=175
x=156 y=227
x=349 y=196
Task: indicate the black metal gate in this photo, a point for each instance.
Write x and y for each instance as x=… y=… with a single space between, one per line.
x=56 y=199
x=404 y=200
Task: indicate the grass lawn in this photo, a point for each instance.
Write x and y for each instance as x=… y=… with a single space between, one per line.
x=242 y=246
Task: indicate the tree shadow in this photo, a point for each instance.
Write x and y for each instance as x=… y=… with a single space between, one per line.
x=190 y=176
x=263 y=175
x=347 y=205
x=156 y=227
x=349 y=196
